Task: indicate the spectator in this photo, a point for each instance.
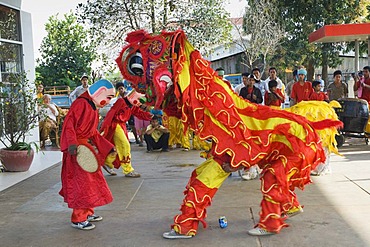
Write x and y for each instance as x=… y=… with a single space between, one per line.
x=80 y=89
x=244 y=83
x=289 y=86
x=317 y=94
x=363 y=84
x=141 y=125
x=322 y=82
x=220 y=74
x=259 y=83
x=48 y=118
x=274 y=96
x=250 y=92
x=337 y=89
x=273 y=76
x=156 y=136
x=302 y=89
x=241 y=85
x=40 y=91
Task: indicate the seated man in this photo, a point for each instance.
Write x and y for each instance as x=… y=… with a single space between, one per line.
x=48 y=118
x=156 y=136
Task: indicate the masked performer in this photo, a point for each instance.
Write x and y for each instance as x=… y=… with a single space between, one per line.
x=115 y=130
x=84 y=151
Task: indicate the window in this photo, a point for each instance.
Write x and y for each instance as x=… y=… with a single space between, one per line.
x=10 y=43
x=9 y=24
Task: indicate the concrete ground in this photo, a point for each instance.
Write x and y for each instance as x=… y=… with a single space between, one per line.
x=336 y=207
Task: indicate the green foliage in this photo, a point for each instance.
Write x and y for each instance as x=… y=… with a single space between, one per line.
x=18 y=112
x=24 y=146
x=205 y=22
x=300 y=18
x=66 y=52
x=263 y=32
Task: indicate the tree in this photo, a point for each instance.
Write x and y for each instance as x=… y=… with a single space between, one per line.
x=205 y=22
x=260 y=34
x=300 y=18
x=66 y=52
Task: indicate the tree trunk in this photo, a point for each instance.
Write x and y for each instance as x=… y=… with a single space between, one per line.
x=324 y=71
x=310 y=70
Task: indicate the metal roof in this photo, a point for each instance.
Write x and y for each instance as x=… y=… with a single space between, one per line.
x=341 y=33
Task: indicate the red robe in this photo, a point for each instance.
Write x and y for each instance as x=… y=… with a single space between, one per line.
x=120 y=113
x=82 y=189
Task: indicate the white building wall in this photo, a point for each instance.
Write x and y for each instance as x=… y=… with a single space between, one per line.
x=29 y=59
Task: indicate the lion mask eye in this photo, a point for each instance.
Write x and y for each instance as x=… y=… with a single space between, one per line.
x=135 y=64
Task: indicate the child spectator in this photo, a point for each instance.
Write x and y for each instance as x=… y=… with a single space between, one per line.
x=250 y=92
x=275 y=96
x=317 y=94
x=156 y=136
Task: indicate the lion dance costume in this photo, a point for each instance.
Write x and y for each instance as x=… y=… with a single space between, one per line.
x=285 y=145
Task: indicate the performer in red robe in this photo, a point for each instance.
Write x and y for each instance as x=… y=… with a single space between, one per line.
x=82 y=190
x=114 y=129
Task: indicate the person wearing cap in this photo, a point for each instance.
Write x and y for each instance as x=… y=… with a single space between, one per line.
x=80 y=89
x=220 y=73
x=250 y=92
x=302 y=89
x=114 y=130
x=337 y=89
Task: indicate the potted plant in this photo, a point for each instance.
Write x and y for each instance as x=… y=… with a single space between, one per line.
x=18 y=116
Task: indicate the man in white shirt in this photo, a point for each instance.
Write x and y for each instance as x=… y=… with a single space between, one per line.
x=80 y=89
x=273 y=76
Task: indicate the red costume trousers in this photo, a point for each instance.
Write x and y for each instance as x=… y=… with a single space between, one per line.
x=80 y=214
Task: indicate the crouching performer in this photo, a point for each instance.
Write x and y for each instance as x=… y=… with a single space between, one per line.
x=84 y=151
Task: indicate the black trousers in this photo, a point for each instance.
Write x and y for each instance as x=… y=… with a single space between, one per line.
x=162 y=142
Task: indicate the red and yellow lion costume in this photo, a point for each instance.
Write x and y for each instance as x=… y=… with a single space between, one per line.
x=285 y=145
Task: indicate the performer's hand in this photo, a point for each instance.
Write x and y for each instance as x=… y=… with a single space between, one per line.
x=228 y=168
x=72 y=149
x=113 y=152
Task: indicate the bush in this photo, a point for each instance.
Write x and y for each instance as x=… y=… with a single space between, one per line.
x=18 y=112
